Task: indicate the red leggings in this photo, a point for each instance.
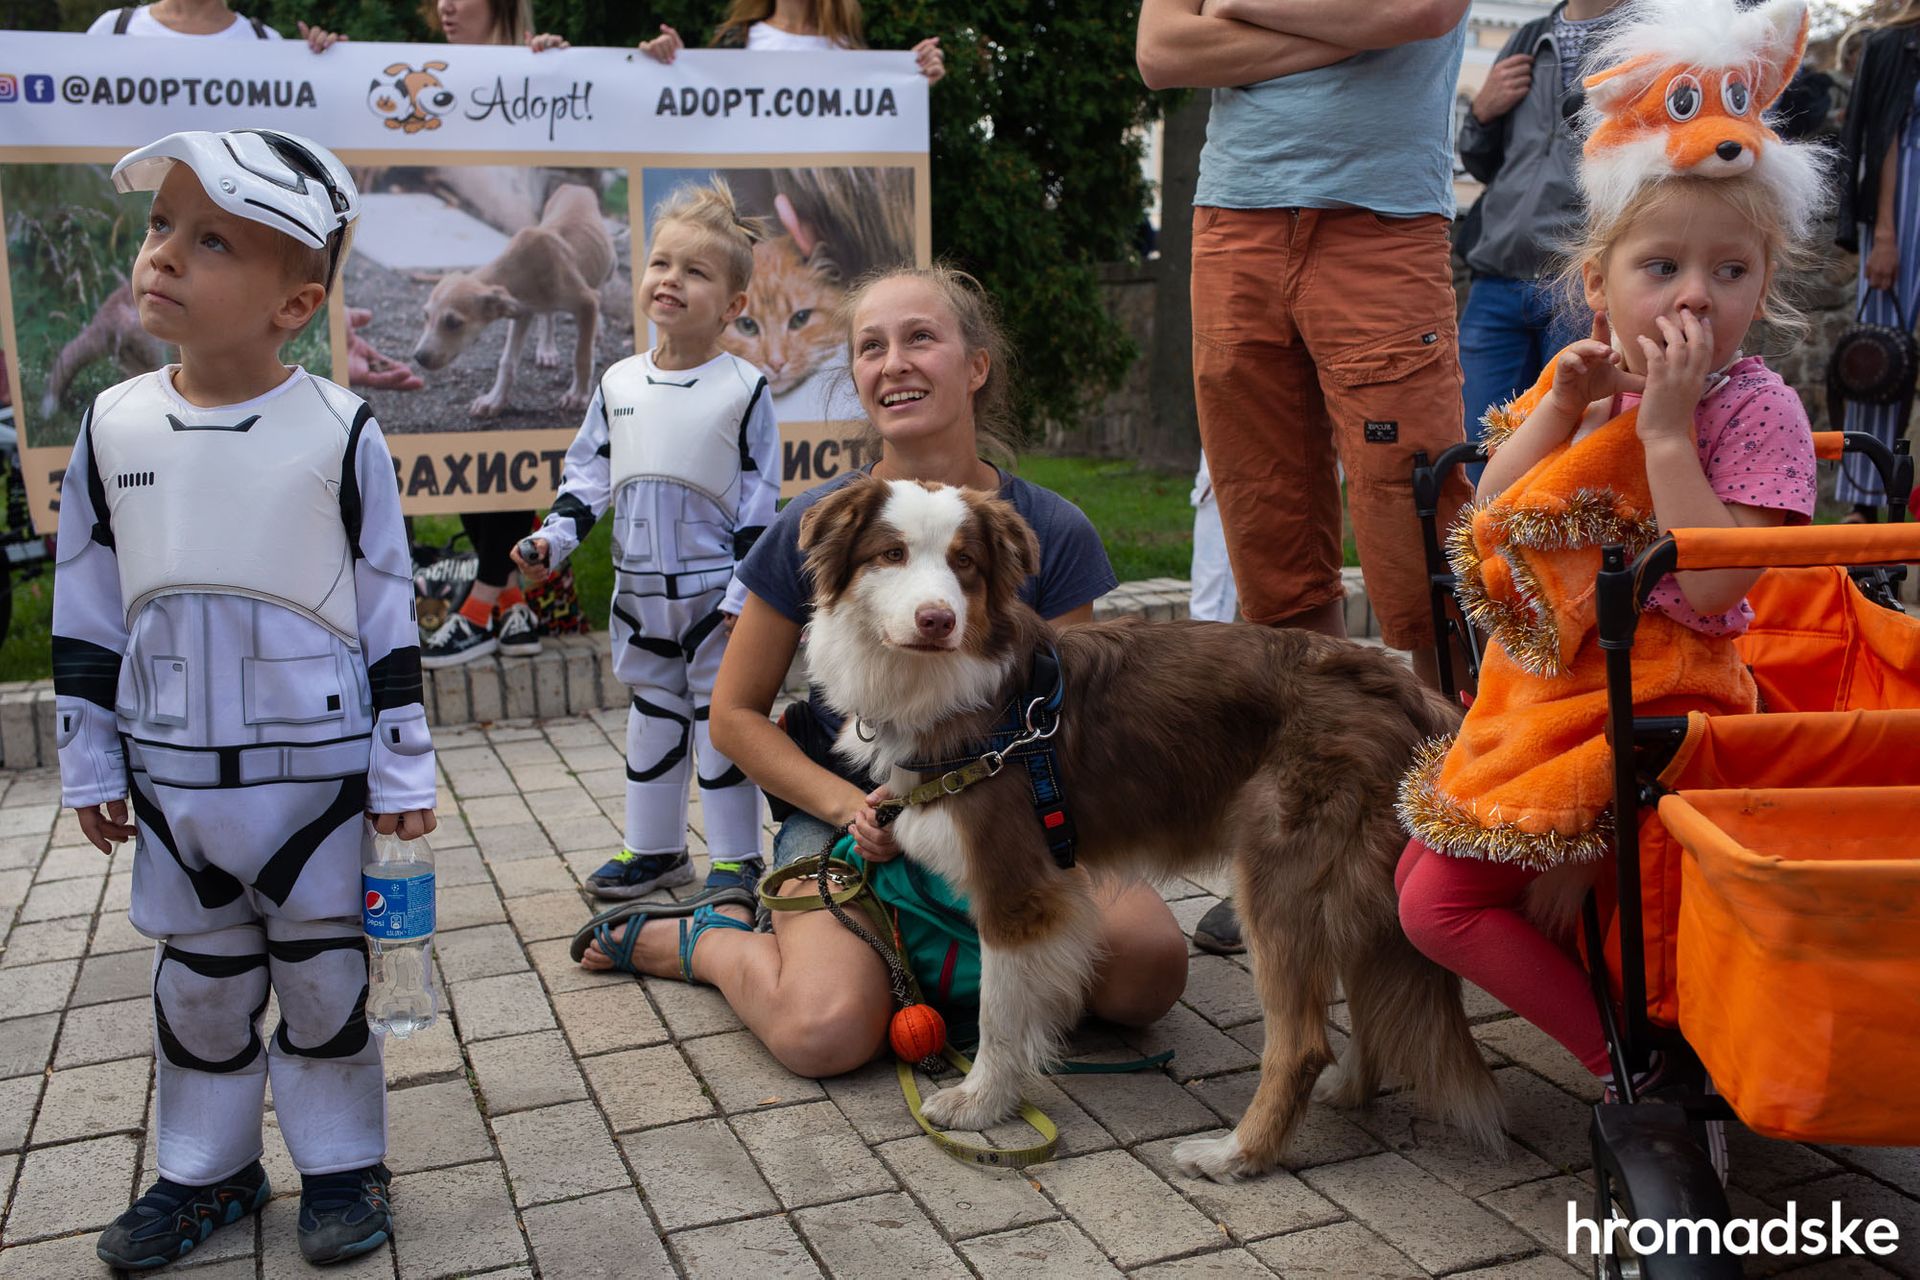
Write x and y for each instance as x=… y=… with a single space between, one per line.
x=1465 y=914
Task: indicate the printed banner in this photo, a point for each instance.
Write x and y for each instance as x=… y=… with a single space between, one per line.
x=473 y=162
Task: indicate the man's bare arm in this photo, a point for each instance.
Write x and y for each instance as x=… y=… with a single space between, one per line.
x=1377 y=24
x=1178 y=48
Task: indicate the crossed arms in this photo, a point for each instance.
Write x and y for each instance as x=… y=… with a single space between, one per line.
x=1219 y=44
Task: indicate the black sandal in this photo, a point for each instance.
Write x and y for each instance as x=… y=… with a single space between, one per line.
x=618 y=944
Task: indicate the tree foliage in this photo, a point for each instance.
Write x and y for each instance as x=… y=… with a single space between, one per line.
x=1035 y=149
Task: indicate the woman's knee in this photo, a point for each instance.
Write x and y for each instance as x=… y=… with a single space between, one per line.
x=828 y=1036
x=1144 y=970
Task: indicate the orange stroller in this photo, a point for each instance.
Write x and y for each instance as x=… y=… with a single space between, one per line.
x=1762 y=925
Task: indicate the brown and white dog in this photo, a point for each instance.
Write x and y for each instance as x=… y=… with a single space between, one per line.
x=556 y=265
x=1180 y=744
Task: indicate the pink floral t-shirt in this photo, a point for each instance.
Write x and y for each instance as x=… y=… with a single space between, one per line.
x=1756 y=447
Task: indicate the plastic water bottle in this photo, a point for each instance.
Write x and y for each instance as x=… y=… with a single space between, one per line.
x=397 y=916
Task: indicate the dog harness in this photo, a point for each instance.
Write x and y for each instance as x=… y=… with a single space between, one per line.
x=1025 y=733
x=259 y=504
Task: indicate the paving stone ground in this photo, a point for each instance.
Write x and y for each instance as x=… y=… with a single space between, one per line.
x=562 y=1124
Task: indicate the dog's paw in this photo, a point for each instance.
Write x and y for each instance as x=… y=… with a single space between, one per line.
x=574 y=401
x=962 y=1108
x=487 y=406
x=547 y=357
x=1217 y=1159
x=1337 y=1087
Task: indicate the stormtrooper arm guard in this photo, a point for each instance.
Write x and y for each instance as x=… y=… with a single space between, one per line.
x=89 y=638
x=586 y=485
x=759 y=491
x=400 y=775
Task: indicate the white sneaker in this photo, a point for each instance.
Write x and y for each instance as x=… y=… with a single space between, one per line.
x=518 y=630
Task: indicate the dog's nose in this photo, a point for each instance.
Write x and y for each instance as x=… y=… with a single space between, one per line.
x=934 y=622
x=1727 y=150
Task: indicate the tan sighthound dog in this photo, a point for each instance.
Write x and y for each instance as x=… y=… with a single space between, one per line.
x=556 y=265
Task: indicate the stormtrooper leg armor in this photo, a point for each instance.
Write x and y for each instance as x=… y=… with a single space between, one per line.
x=667 y=652
x=209 y=994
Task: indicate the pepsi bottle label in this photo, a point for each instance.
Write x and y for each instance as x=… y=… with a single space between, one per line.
x=396 y=910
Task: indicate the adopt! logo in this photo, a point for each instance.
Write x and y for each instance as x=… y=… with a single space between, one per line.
x=410 y=100
x=376 y=904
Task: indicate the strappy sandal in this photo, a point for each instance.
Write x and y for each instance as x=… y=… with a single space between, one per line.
x=705 y=918
x=618 y=941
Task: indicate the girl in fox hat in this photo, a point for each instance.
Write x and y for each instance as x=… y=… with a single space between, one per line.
x=1695 y=211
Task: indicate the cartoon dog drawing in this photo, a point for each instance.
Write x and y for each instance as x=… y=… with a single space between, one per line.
x=556 y=265
x=410 y=100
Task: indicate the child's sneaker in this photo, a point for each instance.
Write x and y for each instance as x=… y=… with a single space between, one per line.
x=171 y=1219
x=518 y=631
x=343 y=1215
x=634 y=875
x=458 y=640
x=742 y=874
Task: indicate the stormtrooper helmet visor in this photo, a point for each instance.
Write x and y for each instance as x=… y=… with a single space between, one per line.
x=279 y=180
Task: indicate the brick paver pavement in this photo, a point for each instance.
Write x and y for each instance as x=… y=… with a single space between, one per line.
x=564 y=1124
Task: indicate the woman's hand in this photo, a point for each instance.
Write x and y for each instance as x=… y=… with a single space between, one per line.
x=875 y=843
x=1883 y=263
x=318 y=40
x=932 y=62
x=547 y=40
x=534 y=572
x=663 y=47
x=1590 y=370
x=1677 y=370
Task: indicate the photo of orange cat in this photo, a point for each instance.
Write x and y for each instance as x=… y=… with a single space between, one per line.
x=787 y=329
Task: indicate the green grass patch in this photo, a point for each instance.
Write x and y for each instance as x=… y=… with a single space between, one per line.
x=1143 y=513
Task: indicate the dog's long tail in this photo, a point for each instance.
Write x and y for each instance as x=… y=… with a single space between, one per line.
x=1409 y=1020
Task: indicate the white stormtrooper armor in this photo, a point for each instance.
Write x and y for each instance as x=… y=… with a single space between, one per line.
x=689 y=460
x=238 y=659
x=167 y=470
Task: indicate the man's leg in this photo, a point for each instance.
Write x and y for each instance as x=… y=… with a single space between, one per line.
x=1497 y=346
x=1379 y=318
x=1262 y=420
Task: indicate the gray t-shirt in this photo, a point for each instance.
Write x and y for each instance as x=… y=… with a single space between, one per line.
x=1372 y=132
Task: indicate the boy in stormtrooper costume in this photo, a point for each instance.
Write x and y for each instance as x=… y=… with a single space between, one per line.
x=681 y=441
x=234 y=652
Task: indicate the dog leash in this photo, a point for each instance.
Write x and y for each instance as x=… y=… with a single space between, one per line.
x=828 y=871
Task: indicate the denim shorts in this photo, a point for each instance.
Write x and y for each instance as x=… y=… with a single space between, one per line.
x=800 y=836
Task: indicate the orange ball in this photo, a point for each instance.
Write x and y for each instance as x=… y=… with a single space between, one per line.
x=918 y=1031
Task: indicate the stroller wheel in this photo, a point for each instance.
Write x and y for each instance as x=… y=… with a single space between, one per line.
x=1616 y=1259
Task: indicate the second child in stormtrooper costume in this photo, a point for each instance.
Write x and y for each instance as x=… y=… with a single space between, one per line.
x=234 y=651
x=681 y=441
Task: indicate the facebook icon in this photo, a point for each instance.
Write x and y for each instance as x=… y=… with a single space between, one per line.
x=39 y=88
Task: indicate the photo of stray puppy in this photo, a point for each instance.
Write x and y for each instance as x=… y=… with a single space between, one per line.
x=557 y=265
x=114 y=334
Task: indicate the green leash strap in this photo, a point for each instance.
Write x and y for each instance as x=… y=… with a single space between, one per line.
x=990 y=1157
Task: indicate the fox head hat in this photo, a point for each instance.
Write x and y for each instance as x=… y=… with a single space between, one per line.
x=1679 y=92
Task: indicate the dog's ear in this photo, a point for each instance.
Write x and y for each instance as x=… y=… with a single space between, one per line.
x=397 y=69
x=830 y=531
x=433 y=66
x=498 y=304
x=1016 y=551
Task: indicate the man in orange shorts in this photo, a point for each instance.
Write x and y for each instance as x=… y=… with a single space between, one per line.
x=1323 y=304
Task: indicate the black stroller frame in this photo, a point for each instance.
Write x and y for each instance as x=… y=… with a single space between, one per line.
x=1649 y=1156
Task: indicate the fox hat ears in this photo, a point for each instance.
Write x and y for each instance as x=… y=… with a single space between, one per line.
x=1680 y=93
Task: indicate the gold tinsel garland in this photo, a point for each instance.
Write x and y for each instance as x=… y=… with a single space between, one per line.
x=1442 y=824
